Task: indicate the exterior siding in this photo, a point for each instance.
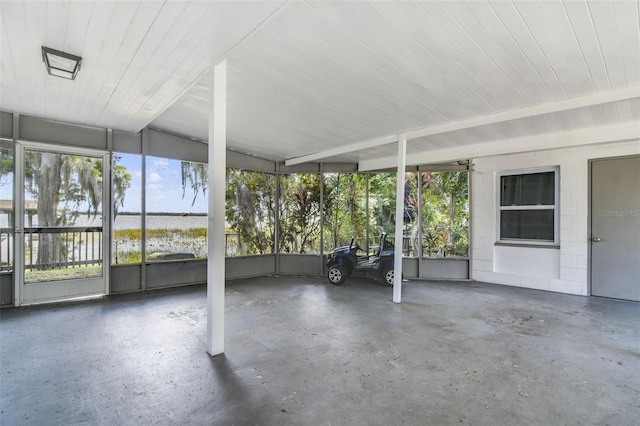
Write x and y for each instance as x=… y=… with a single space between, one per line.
x=564 y=270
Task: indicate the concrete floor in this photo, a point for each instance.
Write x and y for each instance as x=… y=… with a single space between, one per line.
x=300 y=351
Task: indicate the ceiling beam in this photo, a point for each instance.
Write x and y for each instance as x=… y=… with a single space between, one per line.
x=501 y=117
x=544 y=142
x=345 y=149
x=536 y=110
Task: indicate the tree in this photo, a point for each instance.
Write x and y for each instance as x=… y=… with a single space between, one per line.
x=121 y=182
x=445 y=212
x=196 y=175
x=382 y=202
x=300 y=213
x=344 y=213
x=62 y=184
x=250 y=210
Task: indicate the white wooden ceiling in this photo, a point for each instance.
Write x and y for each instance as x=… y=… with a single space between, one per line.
x=312 y=77
x=138 y=57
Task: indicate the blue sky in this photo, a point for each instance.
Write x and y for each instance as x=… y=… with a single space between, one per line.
x=164 y=187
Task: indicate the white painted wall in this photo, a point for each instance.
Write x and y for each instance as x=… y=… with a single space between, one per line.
x=563 y=270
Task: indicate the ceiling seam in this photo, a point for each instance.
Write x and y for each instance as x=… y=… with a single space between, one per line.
x=204 y=40
x=126 y=34
x=89 y=79
x=531 y=113
x=470 y=57
x=142 y=40
x=426 y=108
x=473 y=40
x=258 y=27
x=84 y=42
x=409 y=52
x=535 y=41
x=337 y=87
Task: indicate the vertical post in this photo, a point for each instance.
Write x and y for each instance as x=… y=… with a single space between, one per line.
x=276 y=225
x=366 y=209
x=418 y=252
x=143 y=210
x=321 y=266
x=397 y=254
x=18 y=217
x=106 y=237
x=216 y=216
x=470 y=220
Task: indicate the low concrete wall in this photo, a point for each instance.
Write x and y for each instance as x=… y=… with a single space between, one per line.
x=125 y=278
x=250 y=266
x=301 y=264
x=6 y=289
x=444 y=268
x=174 y=273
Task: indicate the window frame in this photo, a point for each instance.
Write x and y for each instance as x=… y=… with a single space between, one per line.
x=556 y=208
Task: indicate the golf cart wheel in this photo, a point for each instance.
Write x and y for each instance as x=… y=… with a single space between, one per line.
x=337 y=275
x=387 y=275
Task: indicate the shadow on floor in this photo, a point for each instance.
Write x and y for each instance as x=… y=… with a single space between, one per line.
x=300 y=351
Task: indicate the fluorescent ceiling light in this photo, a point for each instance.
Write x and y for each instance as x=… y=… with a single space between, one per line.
x=61 y=64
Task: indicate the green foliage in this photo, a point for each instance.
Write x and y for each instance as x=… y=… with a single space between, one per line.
x=250 y=210
x=195 y=175
x=6 y=162
x=382 y=202
x=444 y=206
x=187 y=239
x=300 y=213
x=344 y=209
x=121 y=182
x=128 y=257
x=445 y=213
x=251 y=205
x=127 y=234
x=57 y=274
x=136 y=234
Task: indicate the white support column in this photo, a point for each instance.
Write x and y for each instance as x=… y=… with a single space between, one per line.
x=397 y=254
x=18 y=219
x=217 y=170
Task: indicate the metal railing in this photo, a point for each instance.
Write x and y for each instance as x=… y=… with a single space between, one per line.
x=68 y=247
x=6 y=249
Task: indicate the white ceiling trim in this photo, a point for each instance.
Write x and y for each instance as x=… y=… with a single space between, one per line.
x=371 y=143
x=537 y=110
x=551 y=141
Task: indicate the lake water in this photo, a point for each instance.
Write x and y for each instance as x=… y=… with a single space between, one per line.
x=134 y=221
x=170 y=243
x=153 y=222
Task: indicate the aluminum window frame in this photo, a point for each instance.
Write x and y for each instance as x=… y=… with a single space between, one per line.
x=556 y=208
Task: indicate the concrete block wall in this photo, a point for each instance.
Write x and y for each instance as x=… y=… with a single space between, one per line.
x=563 y=270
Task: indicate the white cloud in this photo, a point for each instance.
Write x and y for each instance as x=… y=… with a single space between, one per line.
x=155 y=177
x=160 y=163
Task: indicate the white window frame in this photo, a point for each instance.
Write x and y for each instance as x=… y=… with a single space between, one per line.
x=556 y=208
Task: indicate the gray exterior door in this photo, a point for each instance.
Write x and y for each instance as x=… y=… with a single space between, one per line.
x=615 y=228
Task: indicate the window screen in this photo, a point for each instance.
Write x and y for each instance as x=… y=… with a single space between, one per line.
x=528 y=207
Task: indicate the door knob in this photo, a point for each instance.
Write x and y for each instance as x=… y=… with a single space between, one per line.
x=595 y=240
